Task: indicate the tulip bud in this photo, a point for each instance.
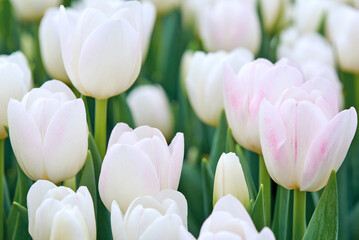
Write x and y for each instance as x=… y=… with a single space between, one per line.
x=137 y=163
x=204 y=81
x=102 y=49
x=15 y=81
x=149 y=105
x=309 y=14
x=159 y=216
x=49 y=37
x=230 y=220
x=303 y=137
x=48 y=132
x=227 y=25
x=243 y=95
x=32 y=10
x=60 y=213
x=344 y=34
x=229 y=179
x=305 y=48
x=274 y=14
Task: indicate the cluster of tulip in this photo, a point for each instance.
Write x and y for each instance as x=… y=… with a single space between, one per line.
x=255 y=87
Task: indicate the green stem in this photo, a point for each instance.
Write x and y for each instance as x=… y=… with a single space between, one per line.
x=100 y=125
x=299 y=224
x=2 y=176
x=264 y=179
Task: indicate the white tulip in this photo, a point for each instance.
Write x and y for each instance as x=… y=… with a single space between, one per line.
x=59 y=213
x=204 y=81
x=15 y=81
x=230 y=221
x=49 y=37
x=159 y=216
x=48 y=132
x=149 y=105
x=102 y=49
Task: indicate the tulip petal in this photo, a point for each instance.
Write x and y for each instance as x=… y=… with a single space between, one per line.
x=56 y=86
x=65 y=142
x=34 y=198
x=116 y=133
x=177 y=152
x=112 y=56
x=25 y=140
x=166 y=227
x=69 y=224
x=273 y=138
x=223 y=235
x=148 y=132
x=266 y=234
x=328 y=150
x=118 y=229
x=126 y=173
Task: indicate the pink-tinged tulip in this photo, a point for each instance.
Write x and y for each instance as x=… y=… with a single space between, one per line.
x=49 y=38
x=304 y=48
x=275 y=14
x=32 y=10
x=303 y=136
x=230 y=221
x=15 y=81
x=229 y=179
x=48 y=132
x=159 y=216
x=137 y=163
x=149 y=105
x=343 y=31
x=204 y=81
x=230 y=24
x=102 y=48
x=243 y=94
x=60 y=213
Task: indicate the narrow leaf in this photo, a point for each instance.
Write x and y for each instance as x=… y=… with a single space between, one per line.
x=207 y=186
x=281 y=211
x=230 y=144
x=258 y=213
x=21 y=210
x=324 y=222
x=88 y=179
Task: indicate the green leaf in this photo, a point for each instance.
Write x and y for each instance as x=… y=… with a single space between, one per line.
x=97 y=161
x=258 y=213
x=88 y=179
x=281 y=211
x=22 y=210
x=6 y=129
x=230 y=144
x=88 y=118
x=120 y=111
x=219 y=142
x=207 y=186
x=247 y=173
x=324 y=222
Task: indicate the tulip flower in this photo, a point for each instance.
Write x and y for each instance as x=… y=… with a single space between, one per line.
x=306 y=47
x=15 y=81
x=230 y=221
x=243 y=94
x=204 y=81
x=303 y=137
x=149 y=105
x=344 y=34
x=102 y=49
x=48 y=132
x=159 y=216
x=230 y=24
x=229 y=179
x=32 y=10
x=49 y=37
x=60 y=213
x=137 y=163
x=309 y=14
